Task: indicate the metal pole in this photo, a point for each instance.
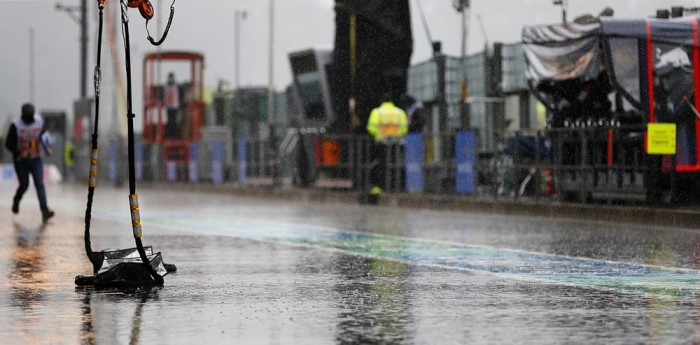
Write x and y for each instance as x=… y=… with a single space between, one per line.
x=563 y=14
x=31 y=64
x=465 y=85
x=238 y=15
x=236 y=56
x=564 y=4
x=81 y=19
x=271 y=81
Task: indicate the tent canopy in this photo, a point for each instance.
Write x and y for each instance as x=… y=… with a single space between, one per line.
x=616 y=50
x=567 y=51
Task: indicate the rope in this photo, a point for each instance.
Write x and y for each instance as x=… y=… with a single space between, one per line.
x=130 y=140
x=94 y=258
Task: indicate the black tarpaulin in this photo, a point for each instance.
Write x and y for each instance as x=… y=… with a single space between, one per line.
x=112 y=258
x=380 y=60
x=124 y=268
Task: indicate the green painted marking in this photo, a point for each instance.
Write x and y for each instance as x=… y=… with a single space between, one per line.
x=656 y=280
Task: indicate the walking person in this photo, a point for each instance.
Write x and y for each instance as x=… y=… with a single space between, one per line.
x=387 y=124
x=25 y=139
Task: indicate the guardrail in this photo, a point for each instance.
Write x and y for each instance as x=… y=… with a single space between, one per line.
x=580 y=163
x=576 y=164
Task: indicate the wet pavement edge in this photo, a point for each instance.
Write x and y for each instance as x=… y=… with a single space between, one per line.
x=641 y=215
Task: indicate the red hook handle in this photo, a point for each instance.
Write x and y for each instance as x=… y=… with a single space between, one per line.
x=144 y=6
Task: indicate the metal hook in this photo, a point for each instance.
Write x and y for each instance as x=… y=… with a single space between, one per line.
x=167 y=27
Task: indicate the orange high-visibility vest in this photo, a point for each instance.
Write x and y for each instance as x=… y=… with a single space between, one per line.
x=172 y=97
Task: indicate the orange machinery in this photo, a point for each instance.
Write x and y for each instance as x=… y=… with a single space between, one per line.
x=192 y=103
x=175 y=147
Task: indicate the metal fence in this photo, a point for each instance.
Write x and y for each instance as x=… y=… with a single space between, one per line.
x=579 y=164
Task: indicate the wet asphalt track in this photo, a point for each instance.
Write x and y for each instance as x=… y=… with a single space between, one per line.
x=255 y=271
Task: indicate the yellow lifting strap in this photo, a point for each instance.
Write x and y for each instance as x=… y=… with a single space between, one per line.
x=135 y=215
x=92 y=181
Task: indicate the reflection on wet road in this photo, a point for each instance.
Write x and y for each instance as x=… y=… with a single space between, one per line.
x=27 y=273
x=270 y=272
x=516 y=264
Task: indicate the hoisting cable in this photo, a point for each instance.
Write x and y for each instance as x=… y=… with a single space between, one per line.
x=94 y=257
x=133 y=198
x=167 y=27
x=425 y=24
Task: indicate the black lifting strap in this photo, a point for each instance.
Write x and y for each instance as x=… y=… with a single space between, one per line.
x=94 y=257
x=130 y=139
x=167 y=28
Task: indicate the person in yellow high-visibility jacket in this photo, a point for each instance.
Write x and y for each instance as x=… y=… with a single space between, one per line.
x=69 y=159
x=387 y=124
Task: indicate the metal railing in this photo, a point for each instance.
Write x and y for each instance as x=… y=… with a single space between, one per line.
x=576 y=164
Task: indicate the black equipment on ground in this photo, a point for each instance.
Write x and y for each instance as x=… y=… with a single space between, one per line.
x=138 y=267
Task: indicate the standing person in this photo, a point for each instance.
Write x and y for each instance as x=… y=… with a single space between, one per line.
x=24 y=139
x=387 y=124
x=172 y=107
x=69 y=159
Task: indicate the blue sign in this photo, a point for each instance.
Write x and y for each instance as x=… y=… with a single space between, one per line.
x=8 y=172
x=414 y=162
x=192 y=166
x=465 y=162
x=112 y=161
x=138 y=161
x=242 y=161
x=217 y=152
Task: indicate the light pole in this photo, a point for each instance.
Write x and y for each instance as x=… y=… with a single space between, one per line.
x=271 y=81
x=564 y=4
x=238 y=15
x=462 y=6
x=81 y=19
x=31 y=64
x=271 y=91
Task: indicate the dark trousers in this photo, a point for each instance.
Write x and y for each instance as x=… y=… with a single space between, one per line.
x=35 y=167
x=172 y=129
x=384 y=172
x=377 y=173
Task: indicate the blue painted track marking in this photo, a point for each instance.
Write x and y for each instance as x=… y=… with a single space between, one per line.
x=585 y=272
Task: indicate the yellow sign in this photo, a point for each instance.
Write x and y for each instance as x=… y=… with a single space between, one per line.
x=661 y=139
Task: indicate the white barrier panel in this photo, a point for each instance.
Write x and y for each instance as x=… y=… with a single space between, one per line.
x=171 y=171
x=51 y=175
